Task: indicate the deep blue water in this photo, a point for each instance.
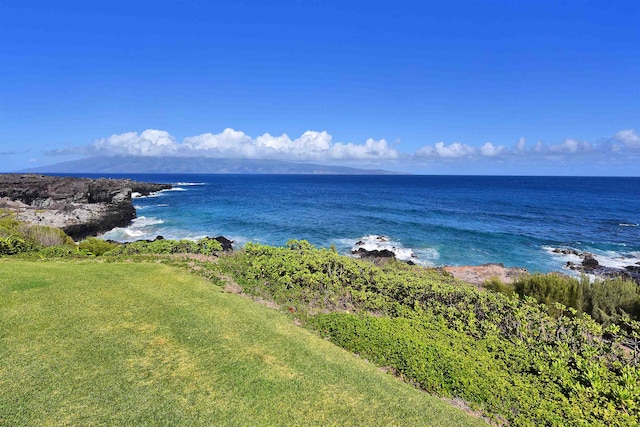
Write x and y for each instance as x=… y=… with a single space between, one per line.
x=443 y=220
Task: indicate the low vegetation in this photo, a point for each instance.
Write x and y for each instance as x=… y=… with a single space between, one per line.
x=206 y=246
x=544 y=351
x=508 y=357
x=606 y=300
x=86 y=343
x=17 y=237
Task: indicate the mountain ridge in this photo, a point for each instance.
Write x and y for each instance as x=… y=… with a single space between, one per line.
x=139 y=164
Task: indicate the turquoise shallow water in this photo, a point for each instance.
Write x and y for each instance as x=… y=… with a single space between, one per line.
x=441 y=220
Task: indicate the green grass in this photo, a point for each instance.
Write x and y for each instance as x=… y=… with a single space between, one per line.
x=147 y=344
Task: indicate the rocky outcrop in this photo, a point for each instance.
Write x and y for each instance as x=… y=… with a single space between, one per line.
x=227 y=245
x=374 y=253
x=478 y=274
x=380 y=249
x=589 y=264
x=80 y=206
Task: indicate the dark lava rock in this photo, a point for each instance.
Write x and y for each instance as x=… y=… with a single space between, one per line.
x=81 y=207
x=564 y=251
x=226 y=243
x=375 y=253
x=589 y=262
x=633 y=268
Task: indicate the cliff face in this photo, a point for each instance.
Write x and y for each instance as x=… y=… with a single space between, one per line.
x=80 y=206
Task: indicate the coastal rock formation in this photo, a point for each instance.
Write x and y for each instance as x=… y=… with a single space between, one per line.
x=227 y=245
x=589 y=264
x=81 y=207
x=478 y=274
x=375 y=253
x=380 y=249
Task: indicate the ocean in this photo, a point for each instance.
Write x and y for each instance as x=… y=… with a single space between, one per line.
x=432 y=220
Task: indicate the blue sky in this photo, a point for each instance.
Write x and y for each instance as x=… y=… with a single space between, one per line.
x=458 y=87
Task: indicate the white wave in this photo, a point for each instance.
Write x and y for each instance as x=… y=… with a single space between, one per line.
x=616 y=259
x=190 y=184
x=611 y=259
x=627 y=224
x=143 y=221
x=141 y=228
x=137 y=207
x=136 y=195
x=569 y=257
x=162 y=205
x=133 y=233
x=159 y=193
x=374 y=242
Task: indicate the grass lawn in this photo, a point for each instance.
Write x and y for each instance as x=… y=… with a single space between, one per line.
x=147 y=344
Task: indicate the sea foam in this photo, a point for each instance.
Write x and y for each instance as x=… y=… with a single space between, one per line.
x=141 y=228
x=189 y=184
x=611 y=259
x=374 y=242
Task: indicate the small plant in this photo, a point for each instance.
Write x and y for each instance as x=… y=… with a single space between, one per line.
x=55 y=252
x=96 y=246
x=496 y=285
x=166 y=246
x=12 y=245
x=44 y=236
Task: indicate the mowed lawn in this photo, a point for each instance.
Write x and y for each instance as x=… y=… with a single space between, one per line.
x=147 y=344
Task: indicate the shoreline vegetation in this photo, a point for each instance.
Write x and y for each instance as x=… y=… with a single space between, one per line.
x=511 y=359
x=540 y=350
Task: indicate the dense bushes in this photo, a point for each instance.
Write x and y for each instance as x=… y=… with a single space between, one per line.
x=96 y=246
x=12 y=245
x=17 y=237
x=509 y=357
x=205 y=246
x=497 y=376
x=605 y=300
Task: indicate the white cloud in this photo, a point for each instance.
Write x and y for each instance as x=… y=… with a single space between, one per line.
x=490 y=150
x=319 y=146
x=628 y=137
x=151 y=142
x=371 y=150
x=453 y=150
x=311 y=145
x=571 y=146
x=539 y=147
x=228 y=143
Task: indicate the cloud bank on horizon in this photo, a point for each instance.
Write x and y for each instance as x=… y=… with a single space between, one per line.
x=318 y=146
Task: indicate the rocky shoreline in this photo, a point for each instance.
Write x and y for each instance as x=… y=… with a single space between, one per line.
x=589 y=264
x=81 y=207
x=379 y=249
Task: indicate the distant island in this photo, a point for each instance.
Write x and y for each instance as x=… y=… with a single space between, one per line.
x=144 y=164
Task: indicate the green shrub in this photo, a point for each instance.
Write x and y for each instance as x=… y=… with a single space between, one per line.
x=27 y=237
x=166 y=246
x=208 y=246
x=605 y=300
x=551 y=288
x=96 y=246
x=507 y=356
x=496 y=285
x=43 y=236
x=55 y=252
x=12 y=245
x=609 y=300
x=497 y=376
